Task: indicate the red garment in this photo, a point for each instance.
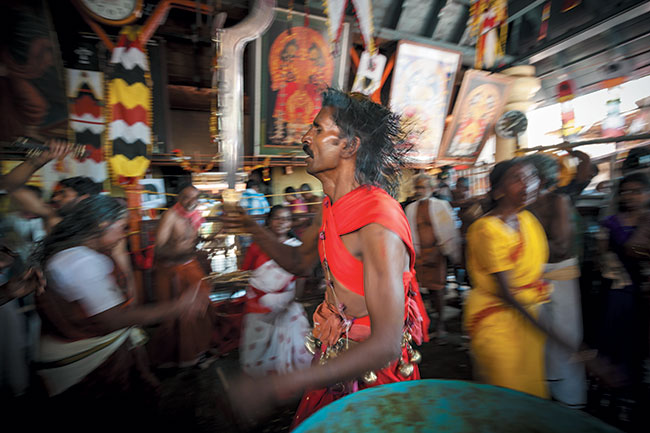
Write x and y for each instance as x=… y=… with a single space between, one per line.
x=365 y=205
x=253 y=259
x=298 y=206
x=195 y=216
x=180 y=341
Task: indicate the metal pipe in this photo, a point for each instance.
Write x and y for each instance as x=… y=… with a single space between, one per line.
x=231 y=82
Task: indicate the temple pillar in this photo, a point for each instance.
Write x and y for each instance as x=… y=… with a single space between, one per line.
x=524 y=87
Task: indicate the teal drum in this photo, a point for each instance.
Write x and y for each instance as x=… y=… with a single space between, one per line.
x=448 y=406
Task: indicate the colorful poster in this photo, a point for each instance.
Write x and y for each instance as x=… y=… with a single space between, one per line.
x=423 y=79
x=296 y=63
x=479 y=103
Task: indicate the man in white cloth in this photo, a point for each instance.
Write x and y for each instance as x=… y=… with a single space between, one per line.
x=437 y=242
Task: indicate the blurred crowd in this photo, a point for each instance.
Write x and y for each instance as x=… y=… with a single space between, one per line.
x=554 y=276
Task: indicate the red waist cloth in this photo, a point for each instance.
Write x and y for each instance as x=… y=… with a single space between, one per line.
x=327 y=317
x=541 y=287
x=315 y=399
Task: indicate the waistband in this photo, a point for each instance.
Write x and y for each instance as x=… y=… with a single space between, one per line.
x=562 y=271
x=405 y=362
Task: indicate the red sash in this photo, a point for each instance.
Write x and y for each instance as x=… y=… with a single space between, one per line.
x=360 y=207
x=194 y=217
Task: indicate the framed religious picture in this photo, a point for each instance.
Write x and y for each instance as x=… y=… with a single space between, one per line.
x=154 y=197
x=423 y=80
x=293 y=62
x=479 y=103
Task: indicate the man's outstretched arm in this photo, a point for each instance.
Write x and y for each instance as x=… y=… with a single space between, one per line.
x=29 y=201
x=299 y=260
x=17 y=177
x=384 y=261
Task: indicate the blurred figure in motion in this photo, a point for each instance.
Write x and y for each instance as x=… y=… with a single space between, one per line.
x=91 y=353
x=373 y=314
x=437 y=244
x=507 y=250
x=275 y=325
x=563 y=314
x=181 y=342
x=624 y=242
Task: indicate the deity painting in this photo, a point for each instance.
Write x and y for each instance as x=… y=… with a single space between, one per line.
x=293 y=62
x=423 y=79
x=301 y=66
x=480 y=102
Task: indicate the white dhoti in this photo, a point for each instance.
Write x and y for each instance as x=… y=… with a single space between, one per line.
x=563 y=314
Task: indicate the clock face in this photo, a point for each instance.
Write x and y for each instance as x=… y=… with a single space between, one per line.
x=511 y=124
x=112 y=10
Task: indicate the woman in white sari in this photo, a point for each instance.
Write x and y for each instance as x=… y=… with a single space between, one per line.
x=274 y=325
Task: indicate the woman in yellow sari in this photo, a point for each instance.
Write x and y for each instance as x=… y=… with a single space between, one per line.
x=507 y=250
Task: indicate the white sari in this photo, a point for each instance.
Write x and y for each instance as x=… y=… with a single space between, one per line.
x=273 y=340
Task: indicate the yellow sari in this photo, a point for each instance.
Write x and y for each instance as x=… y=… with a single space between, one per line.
x=508 y=350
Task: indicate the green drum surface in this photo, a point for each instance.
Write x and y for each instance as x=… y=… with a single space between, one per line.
x=448 y=406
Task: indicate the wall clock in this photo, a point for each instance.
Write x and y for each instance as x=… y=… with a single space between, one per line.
x=112 y=12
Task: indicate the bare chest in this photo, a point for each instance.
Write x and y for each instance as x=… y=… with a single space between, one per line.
x=182 y=229
x=354 y=304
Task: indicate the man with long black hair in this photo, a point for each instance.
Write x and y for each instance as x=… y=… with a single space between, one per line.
x=372 y=311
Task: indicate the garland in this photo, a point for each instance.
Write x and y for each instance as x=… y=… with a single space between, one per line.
x=185 y=163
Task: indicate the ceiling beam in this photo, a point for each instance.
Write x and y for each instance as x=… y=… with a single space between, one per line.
x=523 y=11
x=467 y=52
x=390 y=34
x=583 y=33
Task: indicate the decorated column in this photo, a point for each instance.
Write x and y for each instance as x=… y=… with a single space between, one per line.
x=129 y=114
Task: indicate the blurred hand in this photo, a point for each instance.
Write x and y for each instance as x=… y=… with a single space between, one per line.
x=193 y=303
x=32 y=281
x=237 y=220
x=254 y=399
x=608 y=373
x=57 y=149
x=599 y=366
